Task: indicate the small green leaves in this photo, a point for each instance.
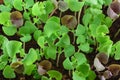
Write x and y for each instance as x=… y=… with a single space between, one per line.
x=4 y=18
x=28 y=3
x=38 y=9
x=26 y=38
x=64 y=41
x=8 y=72
x=77 y=76
x=102 y=29
x=86 y=19
x=28 y=28
x=51 y=52
x=69 y=50
x=41 y=41
x=13 y=47
x=55 y=74
x=18 y=4
x=31 y=54
x=67 y=64
x=80 y=30
x=84 y=69
x=51 y=26
x=116 y=51
x=9 y=30
x=84 y=47
x=80 y=57
x=75 y=5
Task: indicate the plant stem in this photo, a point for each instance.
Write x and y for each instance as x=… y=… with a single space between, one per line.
x=58 y=58
x=75 y=14
x=24 y=45
x=79 y=14
x=60 y=14
x=117 y=33
x=52 y=12
x=69 y=72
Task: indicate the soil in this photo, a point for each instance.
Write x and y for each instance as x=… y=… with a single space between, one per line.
x=32 y=44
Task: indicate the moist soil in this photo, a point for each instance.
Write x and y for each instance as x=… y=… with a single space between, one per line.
x=32 y=44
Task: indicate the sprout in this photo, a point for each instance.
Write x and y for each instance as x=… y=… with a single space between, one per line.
x=107 y=74
x=44 y=66
x=114 y=69
x=18 y=67
x=69 y=21
x=98 y=65
x=62 y=6
x=16 y=18
x=113 y=10
x=103 y=58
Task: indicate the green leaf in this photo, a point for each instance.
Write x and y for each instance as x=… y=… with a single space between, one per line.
x=44 y=78
x=29 y=28
x=69 y=50
x=93 y=28
x=86 y=19
x=31 y=54
x=75 y=5
x=64 y=41
x=26 y=38
x=4 y=18
x=51 y=27
x=48 y=6
x=55 y=74
x=91 y=75
x=13 y=47
x=108 y=22
x=80 y=30
x=102 y=29
x=41 y=41
x=28 y=3
x=117 y=50
x=2 y=39
x=84 y=69
x=85 y=47
x=2 y=65
x=107 y=2
x=18 y=4
x=8 y=72
x=102 y=39
x=67 y=64
x=38 y=9
x=10 y=30
x=29 y=68
x=77 y=76
x=106 y=47
x=51 y=52
x=81 y=39
x=80 y=58
x=4 y=8
x=37 y=34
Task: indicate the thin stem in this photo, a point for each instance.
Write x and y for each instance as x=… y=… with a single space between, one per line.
x=117 y=33
x=52 y=12
x=79 y=15
x=24 y=45
x=69 y=72
x=75 y=14
x=58 y=58
x=60 y=14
